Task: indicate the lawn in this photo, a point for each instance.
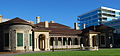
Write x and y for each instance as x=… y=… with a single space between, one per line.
x=101 y=52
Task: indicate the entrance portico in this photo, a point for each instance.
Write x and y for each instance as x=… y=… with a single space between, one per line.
x=41 y=41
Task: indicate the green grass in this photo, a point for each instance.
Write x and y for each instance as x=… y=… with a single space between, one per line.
x=102 y=52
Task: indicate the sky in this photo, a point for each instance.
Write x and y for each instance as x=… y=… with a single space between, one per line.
x=61 y=11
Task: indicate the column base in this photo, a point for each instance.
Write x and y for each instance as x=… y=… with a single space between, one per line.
x=37 y=49
x=48 y=49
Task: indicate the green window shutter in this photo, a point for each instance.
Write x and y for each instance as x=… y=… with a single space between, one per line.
x=30 y=39
x=19 y=39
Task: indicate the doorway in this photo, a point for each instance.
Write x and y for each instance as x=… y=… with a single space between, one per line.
x=41 y=42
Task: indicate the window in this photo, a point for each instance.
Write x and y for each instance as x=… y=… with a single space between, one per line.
x=102 y=40
x=19 y=39
x=95 y=16
x=6 y=39
x=117 y=13
x=30 y=39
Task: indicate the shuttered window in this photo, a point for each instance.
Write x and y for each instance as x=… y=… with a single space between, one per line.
x=30 y=41
x=19 y=39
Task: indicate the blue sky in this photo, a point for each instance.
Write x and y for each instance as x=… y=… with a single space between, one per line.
x=61 y=11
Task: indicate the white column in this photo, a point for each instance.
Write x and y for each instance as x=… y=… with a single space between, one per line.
x=67 y=41
x=48 y=44
x=90 y=41
x=72 y=41
x=62 y=41
x=36 y=44
x=43 y=44
x=54 y=42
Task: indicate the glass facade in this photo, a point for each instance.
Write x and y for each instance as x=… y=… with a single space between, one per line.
x=89 y=19
x=96 y=17
x=114 y=24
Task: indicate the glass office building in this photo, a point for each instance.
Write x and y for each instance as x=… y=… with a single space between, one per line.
x=97 y=17
x=114 y=24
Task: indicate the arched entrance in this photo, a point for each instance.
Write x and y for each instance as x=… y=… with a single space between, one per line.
x=41 y=42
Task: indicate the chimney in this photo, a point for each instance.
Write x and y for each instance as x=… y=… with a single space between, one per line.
x=31 y=22
x=76 y=27
x=1 y=18
x=46 y=24
x=37 y=19
x=52 y=21
x=84 y=26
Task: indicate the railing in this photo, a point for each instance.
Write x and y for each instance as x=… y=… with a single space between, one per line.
x=89 y=48
x=65 y=46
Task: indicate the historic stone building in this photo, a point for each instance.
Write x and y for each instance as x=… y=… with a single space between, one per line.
x=100 y=35
x=20 y=35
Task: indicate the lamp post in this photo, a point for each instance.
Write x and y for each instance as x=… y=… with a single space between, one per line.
x=110 y=42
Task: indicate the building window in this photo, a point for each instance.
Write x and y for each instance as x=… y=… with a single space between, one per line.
x=30 y=39
x=6 y=39
x=102 y=40
x=19 y=39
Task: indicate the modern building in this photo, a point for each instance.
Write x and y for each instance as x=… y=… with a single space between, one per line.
x=97 y=17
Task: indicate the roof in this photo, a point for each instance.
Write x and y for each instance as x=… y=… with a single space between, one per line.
x=52 y=25
x=59 y=30
x=98 y=28
x=56 y=28
x=64 y=31
x=16 y=21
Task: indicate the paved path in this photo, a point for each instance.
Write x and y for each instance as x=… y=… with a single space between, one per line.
x=36 y=52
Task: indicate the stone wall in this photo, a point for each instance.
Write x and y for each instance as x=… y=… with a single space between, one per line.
x=13 y=30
